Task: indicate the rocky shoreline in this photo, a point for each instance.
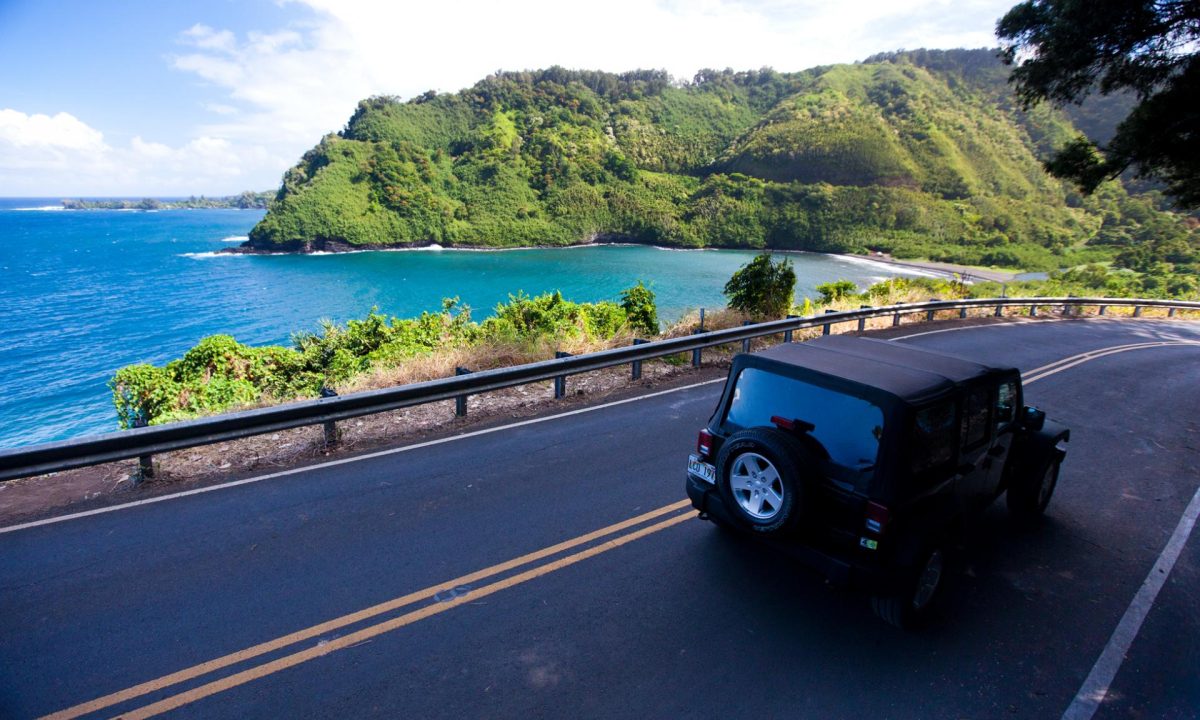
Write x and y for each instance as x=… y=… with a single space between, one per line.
x=335 y=245
x=316 y=245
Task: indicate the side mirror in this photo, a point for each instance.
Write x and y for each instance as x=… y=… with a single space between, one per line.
x=1032 y=418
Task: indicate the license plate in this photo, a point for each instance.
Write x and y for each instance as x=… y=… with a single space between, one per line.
x=702 y=470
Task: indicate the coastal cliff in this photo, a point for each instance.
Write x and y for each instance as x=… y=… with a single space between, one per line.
x=919 y=154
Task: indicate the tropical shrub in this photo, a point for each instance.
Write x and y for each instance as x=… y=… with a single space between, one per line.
x=763 y=288
x=220 y=373
x=640 y=310
x=837 y=290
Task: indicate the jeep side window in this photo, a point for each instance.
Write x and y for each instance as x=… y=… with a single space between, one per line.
x=975 y=416
x=1006 y=403
x=848 y=427
x=933 y=436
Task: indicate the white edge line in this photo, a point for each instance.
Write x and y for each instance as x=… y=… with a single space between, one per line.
x=1022 y=321
x=1095 y=687
x=356 y=458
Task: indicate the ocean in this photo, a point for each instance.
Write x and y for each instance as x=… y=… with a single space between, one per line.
x=85 y=292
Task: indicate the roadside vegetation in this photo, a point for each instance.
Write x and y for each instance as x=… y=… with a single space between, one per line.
x=220 y=374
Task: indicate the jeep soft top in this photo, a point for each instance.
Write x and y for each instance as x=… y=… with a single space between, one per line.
x=886 y=372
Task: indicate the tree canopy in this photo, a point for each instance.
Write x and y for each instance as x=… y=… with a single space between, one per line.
x=762 y=287
x=1065 y=50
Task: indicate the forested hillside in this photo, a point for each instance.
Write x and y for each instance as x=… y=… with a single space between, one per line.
x=921 y=154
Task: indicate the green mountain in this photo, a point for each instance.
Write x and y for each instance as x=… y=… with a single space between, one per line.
x=922 y=154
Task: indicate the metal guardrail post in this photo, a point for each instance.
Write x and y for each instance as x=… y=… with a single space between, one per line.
x=746 y=342
x=331 y=430
x=1171 y=312
x=560 y=381
x=826 y=329
x=1103 y=309
x=962 y=313
x=1137 y=310
x=145 y=470
x=696 y=353
x=1033 y=311
x=460 y=402
x=787 y=334
x=896 y=317
x=999 y=311
x=930 y=313
x=635 y=367
x=701 y=319
x=862 y=321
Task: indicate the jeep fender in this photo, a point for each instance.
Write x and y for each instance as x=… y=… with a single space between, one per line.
x=1051 y=434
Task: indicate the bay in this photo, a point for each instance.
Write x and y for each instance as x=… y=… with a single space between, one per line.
x=83 y=293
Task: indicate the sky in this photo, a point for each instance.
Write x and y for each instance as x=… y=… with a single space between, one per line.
x=158 y=98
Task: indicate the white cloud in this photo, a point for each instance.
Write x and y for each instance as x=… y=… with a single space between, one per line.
x=63 y=131
x=221 y=108
x=150 y=150
x=204 y=37
x=62 y=155
x=286 y=87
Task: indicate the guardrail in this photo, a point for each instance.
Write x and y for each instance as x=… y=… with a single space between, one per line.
x=148 y=441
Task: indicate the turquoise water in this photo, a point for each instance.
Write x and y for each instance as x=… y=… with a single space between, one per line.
x=83 y=293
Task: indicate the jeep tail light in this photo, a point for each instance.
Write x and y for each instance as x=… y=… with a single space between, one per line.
x=783 y=423
x=704 y=443
x=877 y=517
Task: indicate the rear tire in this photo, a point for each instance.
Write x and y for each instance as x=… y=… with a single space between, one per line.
x=922 y=593
x=760 y=476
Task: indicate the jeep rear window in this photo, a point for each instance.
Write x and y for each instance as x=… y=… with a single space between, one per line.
x=848 y=427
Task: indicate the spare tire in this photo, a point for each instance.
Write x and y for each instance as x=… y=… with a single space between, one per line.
x=760 y=475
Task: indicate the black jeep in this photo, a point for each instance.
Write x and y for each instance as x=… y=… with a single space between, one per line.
x=862 y=456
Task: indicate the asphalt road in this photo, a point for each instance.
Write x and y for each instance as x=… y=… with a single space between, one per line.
x=402 y=585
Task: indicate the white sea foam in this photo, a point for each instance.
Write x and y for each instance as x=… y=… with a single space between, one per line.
x=235 y=238
x=43 y=208
x=432 y=247
x=207 y=255
x=896 y=268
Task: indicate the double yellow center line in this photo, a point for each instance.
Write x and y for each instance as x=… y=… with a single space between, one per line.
x=615 y=539
x=1069 y=362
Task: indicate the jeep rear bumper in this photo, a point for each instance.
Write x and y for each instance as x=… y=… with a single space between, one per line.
x=837 y=570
